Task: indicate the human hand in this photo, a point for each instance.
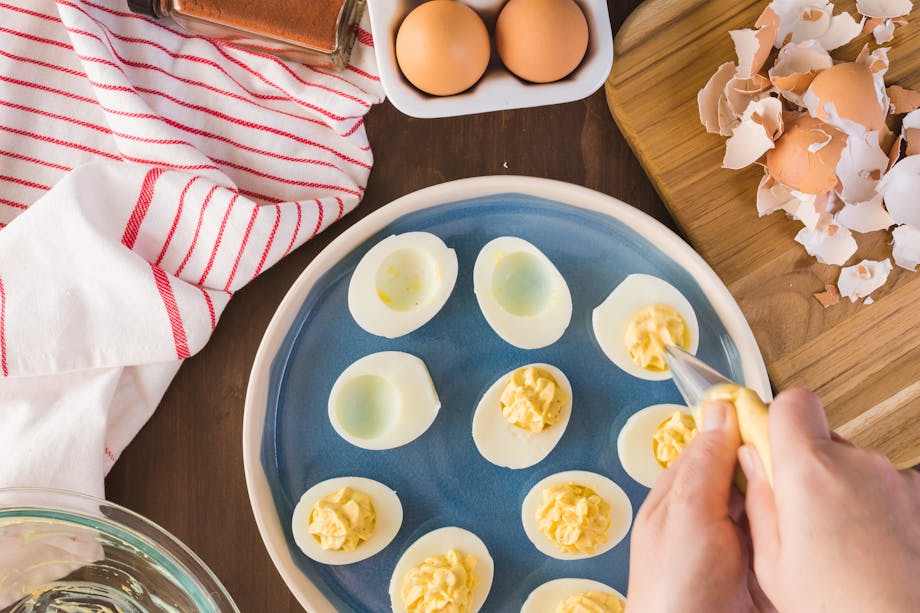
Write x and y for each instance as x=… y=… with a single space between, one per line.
x=690 y=550
x=839 y=530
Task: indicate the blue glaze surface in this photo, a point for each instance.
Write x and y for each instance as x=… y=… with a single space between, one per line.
x=440 y=477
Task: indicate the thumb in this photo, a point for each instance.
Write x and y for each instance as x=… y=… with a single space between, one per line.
x=760 y=506
x=707 y=465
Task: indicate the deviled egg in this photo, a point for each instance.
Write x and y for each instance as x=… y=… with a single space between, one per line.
x=401 y=283
x=603 y=518
x=571 y=595
x=652 y=438
x=450 y=567
x=522 y=416
x=346 y=520
x=522 y=295
x=383 y=400
x=638 y=319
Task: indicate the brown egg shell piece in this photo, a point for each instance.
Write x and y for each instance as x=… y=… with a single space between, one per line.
x=903 y=100
x=850 y=87
x=829 y=297
x=806 y=155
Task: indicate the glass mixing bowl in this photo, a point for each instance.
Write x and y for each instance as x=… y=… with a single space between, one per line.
x=61 y=551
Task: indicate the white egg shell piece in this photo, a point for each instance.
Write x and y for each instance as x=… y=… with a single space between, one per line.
x=389 y=518
x=521 y=293
x=437 y=543
x=546 y=598
x=611 y=318
x=383 y=400
x=503 y=443
x=621 y=512
x=634 y=443
x=401 y=283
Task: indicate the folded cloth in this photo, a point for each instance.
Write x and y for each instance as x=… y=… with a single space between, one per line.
x=146 y=174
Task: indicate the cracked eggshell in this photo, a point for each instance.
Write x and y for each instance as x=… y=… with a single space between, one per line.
x=883 y=32
x=865 y=217
x=832 y=245
x=814 y=211
x=805 y=157
x=773 y=196
x=708 y=99
x=900 y=188
x=906 y=250
x=753 y=46
x=761 y=124
x=851 y=89
x=861 y=166
x=885 y=9
x=796 y=66
x=860 y=280
x=801 y=20
x=910 y=131
x=842 y=29
x=903 y=100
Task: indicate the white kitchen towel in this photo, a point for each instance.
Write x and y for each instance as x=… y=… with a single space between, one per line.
x=146 y=174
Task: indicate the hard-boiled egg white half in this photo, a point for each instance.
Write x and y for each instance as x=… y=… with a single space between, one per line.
x=620 y=512
x=522 y=295
x=547 y=597
x=387 y=508
x=505 y=444
x=634 y=443
x=612 y=317
x=438 y=543
x=383 y=400
x=401 y=283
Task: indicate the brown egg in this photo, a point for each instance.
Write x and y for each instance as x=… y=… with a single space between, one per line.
x=852 y=90
x=442 y=47
x=793 y=164
x=541 y=40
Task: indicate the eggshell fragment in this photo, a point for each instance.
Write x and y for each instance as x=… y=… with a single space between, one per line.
x=862 y=163
x=841 y=30
x=814 y=211
x=900 y=189
x=796 y=66
x=829 y=297
x=865 y=217
x=833 y=245
x=806 y=155
x=906 y=251
x=850 y=88
x=903 y=100
x=883 y=32
x=761 y=123
x=753 y=46
x=910 y=131
x=708 y=99
x=860 y=280
x=773 y=196
x=884 y=9
x=801 y=20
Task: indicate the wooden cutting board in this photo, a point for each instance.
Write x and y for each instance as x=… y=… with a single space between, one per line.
x=864 y=360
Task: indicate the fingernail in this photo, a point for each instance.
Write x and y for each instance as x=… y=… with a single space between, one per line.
x=750 y=462
x=713 y=416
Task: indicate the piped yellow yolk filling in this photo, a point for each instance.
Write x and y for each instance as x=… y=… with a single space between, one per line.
x=441 y=584
x=650 y=330
x=672 y=435
x=532 y=399
x=574 y=517
x=592 y=602
x=343 y=520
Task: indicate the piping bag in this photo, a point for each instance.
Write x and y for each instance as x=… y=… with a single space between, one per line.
x=698 y=382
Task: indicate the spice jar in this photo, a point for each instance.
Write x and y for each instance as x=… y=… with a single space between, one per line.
x=318 y=32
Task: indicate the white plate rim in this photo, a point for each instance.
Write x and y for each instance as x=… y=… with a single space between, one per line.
x=260 y=498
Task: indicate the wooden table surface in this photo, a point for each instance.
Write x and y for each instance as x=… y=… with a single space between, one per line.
x=185 y=468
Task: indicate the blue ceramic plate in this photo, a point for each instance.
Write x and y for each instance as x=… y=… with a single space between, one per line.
x=289 y=444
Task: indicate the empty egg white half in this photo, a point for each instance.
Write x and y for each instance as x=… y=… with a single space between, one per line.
x=547 y=597
x=437 y=543
x=388 y=510
x=620 y=512
x=634 y=443
x=401 y=283
x=611 y=318
x=521 y=293
x=503 y=443
x=384 y=400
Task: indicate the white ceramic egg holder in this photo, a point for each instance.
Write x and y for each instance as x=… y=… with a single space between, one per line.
x=498 y=89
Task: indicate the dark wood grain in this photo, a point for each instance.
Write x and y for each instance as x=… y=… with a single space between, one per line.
x=185 y=469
